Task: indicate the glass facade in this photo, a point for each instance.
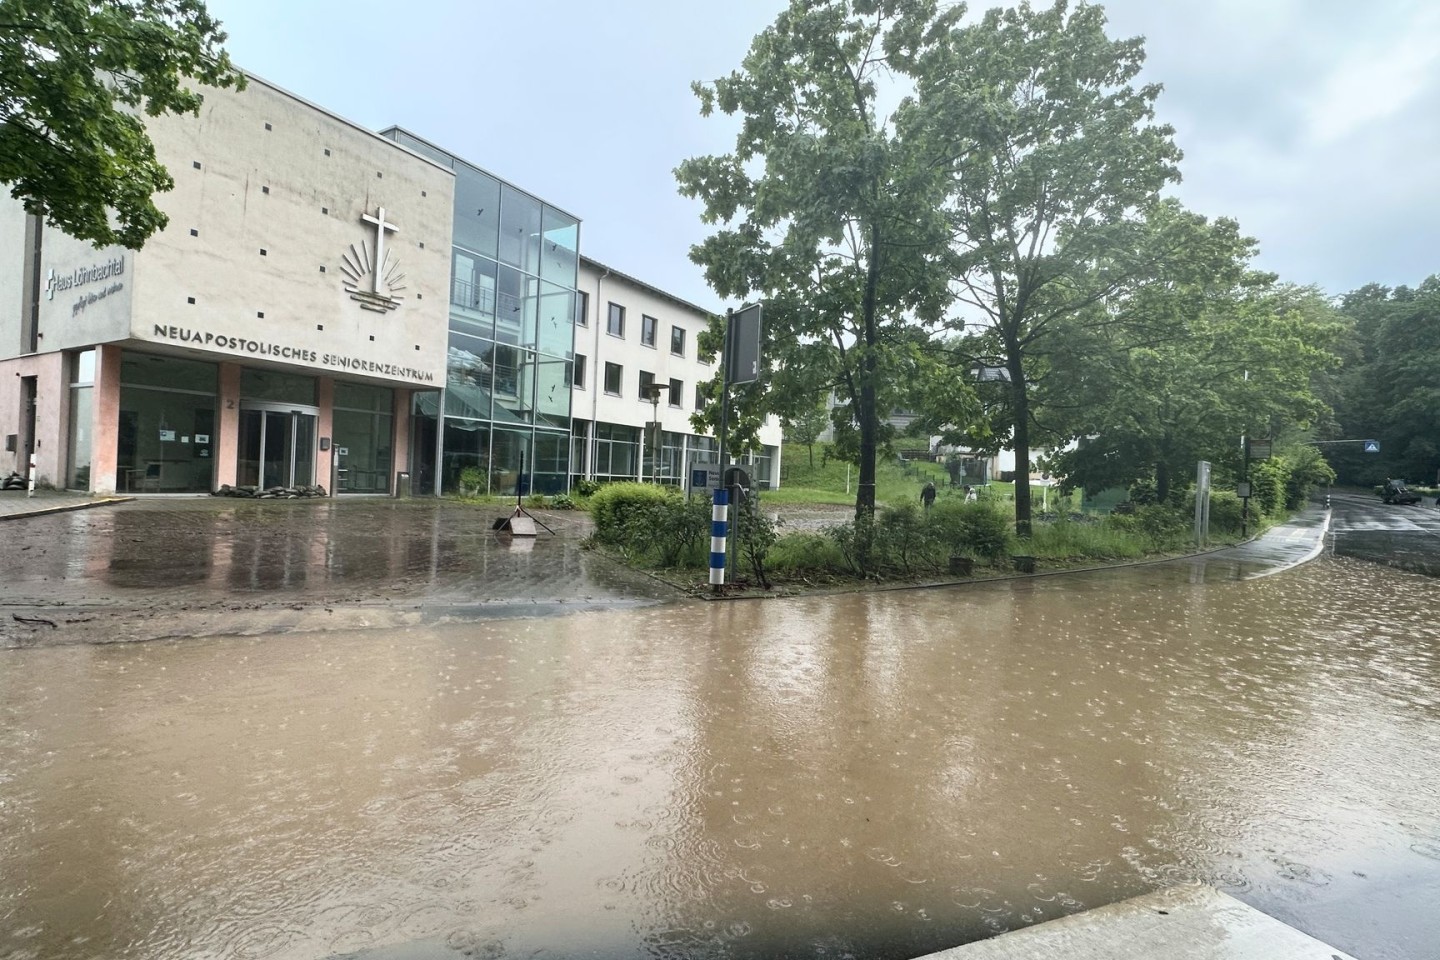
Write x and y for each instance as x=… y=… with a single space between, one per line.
x=82 y=411
x=505 y=423
x=167 y=425
x=364 y=427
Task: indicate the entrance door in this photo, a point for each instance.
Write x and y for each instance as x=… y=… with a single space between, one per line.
x=277 y=445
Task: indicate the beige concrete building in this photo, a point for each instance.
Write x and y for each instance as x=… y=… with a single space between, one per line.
x=290 y=310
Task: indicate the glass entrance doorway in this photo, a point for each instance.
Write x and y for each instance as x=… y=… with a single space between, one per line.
x=277 y=445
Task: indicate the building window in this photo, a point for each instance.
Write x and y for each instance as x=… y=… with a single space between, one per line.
x=613 y=373
x=615 y=326
x=648 y=326
x=699 y=396
x=647 y=380
x=580 y=370
x=676 y=387
x=582 y=309
x=677 y=341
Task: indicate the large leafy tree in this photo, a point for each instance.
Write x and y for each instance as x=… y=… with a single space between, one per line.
x=1391 y=390
x=1052 y=157
x=829 y=210
x=75 y=77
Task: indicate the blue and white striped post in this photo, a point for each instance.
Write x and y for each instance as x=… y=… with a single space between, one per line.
x=719 y=516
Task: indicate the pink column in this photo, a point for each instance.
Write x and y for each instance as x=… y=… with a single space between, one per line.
x=325 y=427
x=227 y=426
x=105 y=419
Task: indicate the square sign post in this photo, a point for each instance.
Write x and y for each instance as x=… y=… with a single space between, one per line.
x=743 y=353
x=740 y=363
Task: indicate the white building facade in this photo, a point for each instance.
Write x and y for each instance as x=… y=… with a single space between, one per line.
x=629 y=337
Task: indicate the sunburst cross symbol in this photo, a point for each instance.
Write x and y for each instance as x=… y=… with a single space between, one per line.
x=374 y=281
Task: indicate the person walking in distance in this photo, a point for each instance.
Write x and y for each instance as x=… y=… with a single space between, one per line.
x=927 y=495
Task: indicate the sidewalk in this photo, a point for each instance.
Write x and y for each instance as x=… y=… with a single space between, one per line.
x=15 y=504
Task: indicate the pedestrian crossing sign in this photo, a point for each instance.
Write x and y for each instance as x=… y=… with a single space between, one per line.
x=1372 y=446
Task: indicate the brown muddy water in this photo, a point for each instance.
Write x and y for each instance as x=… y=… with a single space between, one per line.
x=879 y=775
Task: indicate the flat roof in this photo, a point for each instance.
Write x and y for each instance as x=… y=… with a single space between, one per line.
x=596 y=264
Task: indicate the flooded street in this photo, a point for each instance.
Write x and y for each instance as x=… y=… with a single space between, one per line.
x=875 y=775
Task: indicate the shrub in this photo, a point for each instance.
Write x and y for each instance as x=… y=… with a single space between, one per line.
x=586 y=487
x=472 y=481
x=796 y=554
x=903 y=540
x=1268 y=479
x=1225 y=509
x=756 y=535
x=614 y=504
x=562 y=501
x=970 y=529
x=667 y=530
x=1154 y=526
x=1067 y=538
x=535 y=500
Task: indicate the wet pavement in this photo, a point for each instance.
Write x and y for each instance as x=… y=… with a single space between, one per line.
x=159 y=567
x=1406 y=537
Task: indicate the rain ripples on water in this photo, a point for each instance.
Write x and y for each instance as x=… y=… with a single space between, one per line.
x=879 y=775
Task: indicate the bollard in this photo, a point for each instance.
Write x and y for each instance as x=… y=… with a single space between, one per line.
x=718 y=516
x=30 y=483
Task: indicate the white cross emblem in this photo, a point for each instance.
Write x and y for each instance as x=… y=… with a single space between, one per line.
x=380 y=227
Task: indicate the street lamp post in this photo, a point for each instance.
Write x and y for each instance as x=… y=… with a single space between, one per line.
x=652 y=393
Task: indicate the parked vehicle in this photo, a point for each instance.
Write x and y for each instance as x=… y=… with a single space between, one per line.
x=1395 y=491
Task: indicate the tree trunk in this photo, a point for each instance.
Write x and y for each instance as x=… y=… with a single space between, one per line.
x=1162 y=482
x=867 y=414
x=1020 y=401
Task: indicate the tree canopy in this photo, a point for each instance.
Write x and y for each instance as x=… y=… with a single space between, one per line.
x=75 y=77
x=830 y=211
x=1051 y=158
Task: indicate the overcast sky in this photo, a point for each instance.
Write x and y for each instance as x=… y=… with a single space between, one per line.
x=1314 y=123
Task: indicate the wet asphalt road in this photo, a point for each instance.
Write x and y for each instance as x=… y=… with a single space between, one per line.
x=1406 y=537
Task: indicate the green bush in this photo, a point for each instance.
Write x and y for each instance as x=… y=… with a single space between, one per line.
x=472 y=481
x=904 y=542
x=614 y=504
x=1068 y=539
x=1268 y=479
x=756 y=533
x=798 y=554
x=1154 y=527
x=977 y=529
x=667 y=530
x=1225 y=510
x=562 y=501
x=586 y=487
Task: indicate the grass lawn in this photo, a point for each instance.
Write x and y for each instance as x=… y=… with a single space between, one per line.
x=826 y=482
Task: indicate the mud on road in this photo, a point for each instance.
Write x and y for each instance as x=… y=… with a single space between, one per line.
x=148 y=569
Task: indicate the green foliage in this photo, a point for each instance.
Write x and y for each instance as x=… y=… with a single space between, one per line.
x=75 y=78
x=536 y=500
x=1068 y=539
x=1306 y=470
x=667 y=530
x=1054 y=158
x=1268 y=479
x=831 y=212
x=472 y=481
x=1225 y=511
x=614 y=504
x=1390 y=388
x=978 y=529
x=562 y=501
x=805 y=555
x=756 y=533
x=903 y=540
x=1155 y=527
x=586 y=487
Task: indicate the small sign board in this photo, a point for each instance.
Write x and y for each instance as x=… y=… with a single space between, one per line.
x=1259 y=449
x=1372 y=446
x=704 y=476
x=1242 y=490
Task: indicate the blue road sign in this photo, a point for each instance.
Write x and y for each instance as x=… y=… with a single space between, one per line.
x=1372 y=446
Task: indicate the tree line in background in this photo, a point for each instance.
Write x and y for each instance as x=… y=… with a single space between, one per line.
x=964 y=219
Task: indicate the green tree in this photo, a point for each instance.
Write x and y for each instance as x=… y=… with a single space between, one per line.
x=1391 y=390
x=1179 y=369
x=805 y=428
x=75 y=75
x=1052 y=156
x=830 y=212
